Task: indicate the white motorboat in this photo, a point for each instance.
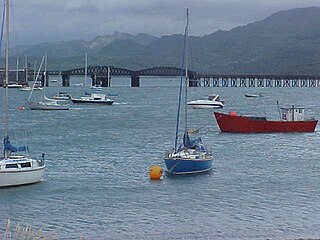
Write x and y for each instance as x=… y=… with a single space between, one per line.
x=14 y=85
x=213 y=101
x=28 y=88
x=15 y=169
x=63 y=96
x=97 y=88
x=93 y=98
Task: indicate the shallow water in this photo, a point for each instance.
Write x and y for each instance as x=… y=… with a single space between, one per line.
x=97 y=184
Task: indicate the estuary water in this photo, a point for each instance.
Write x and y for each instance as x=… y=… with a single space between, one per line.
x=96 y=185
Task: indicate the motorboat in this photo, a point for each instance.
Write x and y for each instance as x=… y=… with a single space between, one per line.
x=29 y=88
x=63 y=96
x=292 y=120
x=213 y=101
x=192 y=155
x=96 y=88
x=14 y=85
x=253 y=95
x=26 y=88
x=93 y=98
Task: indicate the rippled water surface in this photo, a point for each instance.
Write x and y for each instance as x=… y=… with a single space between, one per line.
x=263 y=186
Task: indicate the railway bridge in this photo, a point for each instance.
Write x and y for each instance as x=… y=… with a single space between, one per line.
x=101 y=75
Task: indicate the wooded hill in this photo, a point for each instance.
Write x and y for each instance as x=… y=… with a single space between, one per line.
x=287 y=42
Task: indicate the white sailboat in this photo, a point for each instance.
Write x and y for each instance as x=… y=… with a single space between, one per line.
x=28 y=88
x=15 y=169
x=47 y=104
x=192 y=156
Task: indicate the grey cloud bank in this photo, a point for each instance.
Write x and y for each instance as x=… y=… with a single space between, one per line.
x=37 y=21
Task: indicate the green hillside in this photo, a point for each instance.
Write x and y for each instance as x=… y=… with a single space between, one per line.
x=287 y=42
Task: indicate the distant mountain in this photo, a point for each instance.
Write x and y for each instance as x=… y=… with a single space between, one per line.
x=79 y=47
x=102 y=41
x=126 y=47
x=285 y=42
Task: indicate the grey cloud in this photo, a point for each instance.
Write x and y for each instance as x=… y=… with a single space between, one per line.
x=48 y=20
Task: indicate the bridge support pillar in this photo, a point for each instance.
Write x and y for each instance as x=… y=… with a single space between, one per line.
x=94 y=80
x=98 y=80
x=135 y=81
x=65 y=80
x=194 y=83
x=224 y=82
x=26 y=77
x=103 y=81
x=234 y=82
x=44 y=80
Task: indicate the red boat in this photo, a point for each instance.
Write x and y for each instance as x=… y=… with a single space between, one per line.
x=292 y=120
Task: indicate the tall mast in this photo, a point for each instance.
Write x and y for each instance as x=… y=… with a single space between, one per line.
x=34 y=70
x=6 y=82
x=26 y=72
x=17 y=73
x=85 y=69
x=109 y=83
x=183 y=65
x=45 y=74
x=35 y=79
x=186 y=73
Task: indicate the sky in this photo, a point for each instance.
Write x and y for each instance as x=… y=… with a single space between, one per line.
x=38 y=21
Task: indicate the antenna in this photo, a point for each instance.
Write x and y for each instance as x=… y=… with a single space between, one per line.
x=279 y=109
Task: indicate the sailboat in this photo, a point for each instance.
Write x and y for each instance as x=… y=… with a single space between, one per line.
x=15 y=169
x=47 y=103
x=28 y=88
x=192 y=156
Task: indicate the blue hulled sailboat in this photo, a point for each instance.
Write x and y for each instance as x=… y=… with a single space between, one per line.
x=192 y=155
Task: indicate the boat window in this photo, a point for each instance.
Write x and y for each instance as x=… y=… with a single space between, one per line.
x=13 y=165
x=300 y=110
x=284 y=116
x=26 y=164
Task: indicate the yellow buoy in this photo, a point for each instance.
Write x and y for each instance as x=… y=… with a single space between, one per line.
x=155 y=172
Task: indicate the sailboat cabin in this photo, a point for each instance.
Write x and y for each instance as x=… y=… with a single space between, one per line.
x=292 y=114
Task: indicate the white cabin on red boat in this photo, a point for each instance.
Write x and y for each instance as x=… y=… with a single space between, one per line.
x=292 y=114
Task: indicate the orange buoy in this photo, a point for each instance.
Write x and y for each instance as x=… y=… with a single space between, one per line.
x=233 y=113
x=155 y=172
x=21 y=108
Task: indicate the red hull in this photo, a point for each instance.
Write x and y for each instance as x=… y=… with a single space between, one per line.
x=244 y=124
